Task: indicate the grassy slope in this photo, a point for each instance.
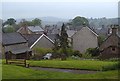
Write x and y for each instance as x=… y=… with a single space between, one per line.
x=78 y=64
x=17 y=72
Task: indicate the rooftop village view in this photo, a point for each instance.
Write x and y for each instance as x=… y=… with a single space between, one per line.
x=66 y=44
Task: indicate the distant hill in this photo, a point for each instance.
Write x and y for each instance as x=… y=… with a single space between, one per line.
x=49 y=20
x=53 y=19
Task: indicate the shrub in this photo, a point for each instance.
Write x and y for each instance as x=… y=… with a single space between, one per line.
x=77 y=53
x=87 y=55
x=70 y=52
x=92 y=51
x=59 y=52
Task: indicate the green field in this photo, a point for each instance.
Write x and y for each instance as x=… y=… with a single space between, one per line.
x=73 y=64
x=18 y=72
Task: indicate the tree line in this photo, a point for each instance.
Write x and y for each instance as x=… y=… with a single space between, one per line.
x=11 y=26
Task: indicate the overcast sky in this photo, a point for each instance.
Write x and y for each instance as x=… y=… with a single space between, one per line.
x=60 y=8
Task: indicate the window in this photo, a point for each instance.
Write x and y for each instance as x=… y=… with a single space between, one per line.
x=113 y=48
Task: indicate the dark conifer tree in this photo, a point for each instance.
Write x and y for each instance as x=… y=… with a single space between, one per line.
x=64 y=40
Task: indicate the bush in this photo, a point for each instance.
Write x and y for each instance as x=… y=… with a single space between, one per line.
x=92 y=51
x=70 y=52
x=87 y=55
x=40 y=52
x=77 y=53
x=58 y=53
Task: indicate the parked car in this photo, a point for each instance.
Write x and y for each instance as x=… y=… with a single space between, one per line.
x=47 y=56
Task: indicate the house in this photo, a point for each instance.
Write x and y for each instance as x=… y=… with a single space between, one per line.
x=31 y=30
x=39 y=40
x=110 y=48
x=84 y=38
x=16 y=44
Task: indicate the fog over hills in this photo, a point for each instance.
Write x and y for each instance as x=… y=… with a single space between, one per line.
x=48 y=20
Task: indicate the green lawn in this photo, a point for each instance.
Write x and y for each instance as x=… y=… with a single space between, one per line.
x=18 y=72
x=74 y=64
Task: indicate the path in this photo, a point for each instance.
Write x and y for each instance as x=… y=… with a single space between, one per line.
x=65 y=70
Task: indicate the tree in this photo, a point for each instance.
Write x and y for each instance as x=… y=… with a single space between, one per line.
x=56 y=48
x=79 y=21
x=24 y=24
x=64 y=41
x=8 y=29
x=92 y=51
x=36 y=22
x=10 y=21
x=101 y=38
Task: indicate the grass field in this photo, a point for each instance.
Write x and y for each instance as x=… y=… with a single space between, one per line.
x=0 y=69
x=18 y=72
x=73 y=64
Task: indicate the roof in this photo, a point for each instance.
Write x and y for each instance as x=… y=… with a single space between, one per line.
x=88 y=29
x=104 y=42
x=31 y=38
x=71 y=32
x=12 y=38
x=53 y=37
x=93 y=31
x=34 y=38
x=43 y=35
x=35 y=28
x=20 y=50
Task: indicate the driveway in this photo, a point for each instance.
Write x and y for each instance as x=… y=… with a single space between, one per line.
x=65 y=70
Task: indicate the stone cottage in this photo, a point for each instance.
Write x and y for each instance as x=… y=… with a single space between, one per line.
x=110 y=48
x=84 y=38
x=38 y=40
x=16 y=44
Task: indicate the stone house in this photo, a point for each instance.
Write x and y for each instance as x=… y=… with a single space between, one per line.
x=38 y=40
x=110 y=48
x=83 y=39
x=16 y=44
x=31 y=30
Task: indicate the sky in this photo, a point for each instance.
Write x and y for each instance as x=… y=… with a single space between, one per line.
x=66 y=9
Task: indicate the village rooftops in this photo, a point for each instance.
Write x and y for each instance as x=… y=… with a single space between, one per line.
x=53 y=37
x=35 y=28
x=12 y=38
x=31 y=38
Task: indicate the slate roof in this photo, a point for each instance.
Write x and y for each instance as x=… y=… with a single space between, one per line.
x=18 y=51
x=35 y=28
x=31 y=38
x=12 y=38
x=53 y=37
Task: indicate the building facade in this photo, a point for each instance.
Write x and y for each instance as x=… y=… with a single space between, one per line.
x=83 y=39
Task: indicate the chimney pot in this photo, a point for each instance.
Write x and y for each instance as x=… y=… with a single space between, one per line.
x=114 y=29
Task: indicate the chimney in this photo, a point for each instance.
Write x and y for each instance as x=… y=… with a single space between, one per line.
x=114 y=29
